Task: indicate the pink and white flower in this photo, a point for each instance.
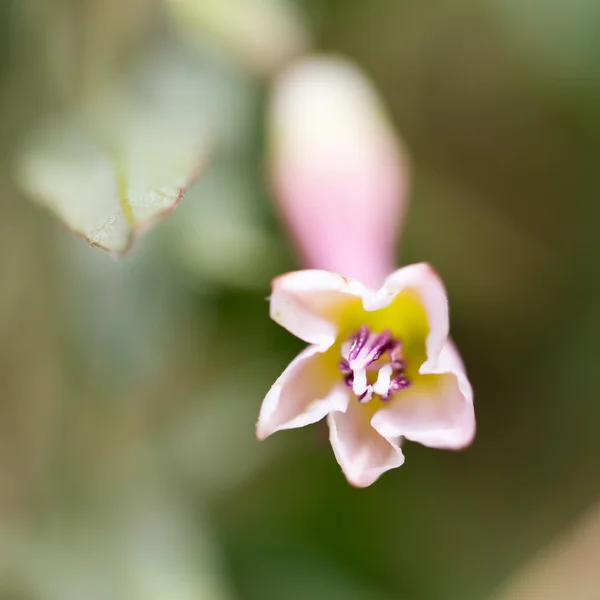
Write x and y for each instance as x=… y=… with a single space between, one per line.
x=380 y=367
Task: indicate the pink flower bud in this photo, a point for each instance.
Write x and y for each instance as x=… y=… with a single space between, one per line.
x=337 y=168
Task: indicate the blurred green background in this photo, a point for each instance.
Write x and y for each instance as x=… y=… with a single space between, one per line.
x=129 y=389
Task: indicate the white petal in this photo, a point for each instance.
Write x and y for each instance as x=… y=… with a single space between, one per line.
x=310 y=303
x=360 y=450
x=437 y=411
x=424 y=281
x=304 y=394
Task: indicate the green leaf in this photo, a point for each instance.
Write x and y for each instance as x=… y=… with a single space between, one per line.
x=124 y=158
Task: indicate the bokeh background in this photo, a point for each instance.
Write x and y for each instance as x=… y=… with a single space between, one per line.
x=129 y=389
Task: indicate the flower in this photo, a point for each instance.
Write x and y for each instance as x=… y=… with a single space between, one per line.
x=337 y=168
x=380 y=367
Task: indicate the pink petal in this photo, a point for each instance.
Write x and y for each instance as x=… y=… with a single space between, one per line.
x=310 y=303
x=425 y=282
x=437 y=411
x=302 y=395
x=360 y=450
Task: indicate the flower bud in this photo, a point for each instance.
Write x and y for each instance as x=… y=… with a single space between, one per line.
x=337 y=168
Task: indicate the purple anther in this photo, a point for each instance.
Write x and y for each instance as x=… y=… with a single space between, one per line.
x=368 y=347
x=400 y=382
x=359 y=341
x=344 y=367
x=398 y=365
x=380 y=344
x=395 y=349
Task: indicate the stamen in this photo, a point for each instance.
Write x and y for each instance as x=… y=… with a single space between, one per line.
x=360 y=340
x=366 y=353
x=396 y=349
x=399 y=365
x=366 y=397
x=344 y=367
x=401 y=382
x=384 y=377
x=360 y=384
x=365 y=348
